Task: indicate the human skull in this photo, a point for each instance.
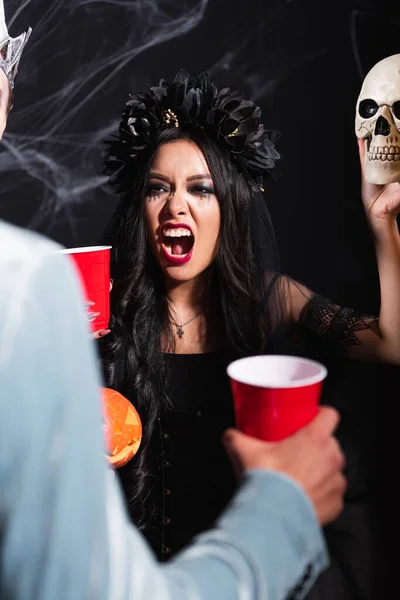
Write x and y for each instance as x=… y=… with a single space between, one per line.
x=378 y=121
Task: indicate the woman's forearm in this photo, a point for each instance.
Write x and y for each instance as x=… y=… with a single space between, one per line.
x=387 y=247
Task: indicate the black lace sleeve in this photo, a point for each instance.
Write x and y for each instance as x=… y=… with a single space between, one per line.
x=332 y=323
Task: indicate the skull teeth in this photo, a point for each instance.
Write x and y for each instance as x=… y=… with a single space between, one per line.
x=383 y=157
x=384 y=153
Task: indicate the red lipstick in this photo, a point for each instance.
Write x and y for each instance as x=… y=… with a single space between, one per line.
x=176 y=259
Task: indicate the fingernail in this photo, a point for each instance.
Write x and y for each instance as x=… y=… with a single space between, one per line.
x=104 y=332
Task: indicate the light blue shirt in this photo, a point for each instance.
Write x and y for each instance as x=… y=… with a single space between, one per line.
x=64 y=532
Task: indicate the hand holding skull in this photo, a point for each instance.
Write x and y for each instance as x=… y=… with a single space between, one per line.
x=377 y=125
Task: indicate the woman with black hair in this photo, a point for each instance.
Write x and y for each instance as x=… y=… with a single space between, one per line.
x=197 y=285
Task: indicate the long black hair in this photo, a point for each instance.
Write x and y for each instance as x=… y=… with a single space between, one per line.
x=132 y=355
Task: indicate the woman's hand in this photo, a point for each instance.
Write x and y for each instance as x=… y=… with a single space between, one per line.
x=381 y=202
x=96 y=335
x=382 y=205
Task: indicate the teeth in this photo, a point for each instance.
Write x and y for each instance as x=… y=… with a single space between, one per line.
x=177 y=232
x=179 y=255
x=384 y=153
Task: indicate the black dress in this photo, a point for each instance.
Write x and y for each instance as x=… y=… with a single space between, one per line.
x=194 y=480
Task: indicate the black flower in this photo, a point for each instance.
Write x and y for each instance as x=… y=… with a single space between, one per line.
x=193 y=99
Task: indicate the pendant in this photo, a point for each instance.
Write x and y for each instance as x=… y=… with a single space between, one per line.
x=180 y=332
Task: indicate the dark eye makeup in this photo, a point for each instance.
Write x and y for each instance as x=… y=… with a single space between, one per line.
x=153 y=190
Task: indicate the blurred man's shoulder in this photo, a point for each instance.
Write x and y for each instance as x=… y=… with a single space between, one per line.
x=23 y=254
x=22 y=249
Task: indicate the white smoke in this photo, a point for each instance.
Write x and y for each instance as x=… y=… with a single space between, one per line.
x=79 y=54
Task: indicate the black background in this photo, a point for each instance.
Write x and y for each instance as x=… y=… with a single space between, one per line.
x=303 y=61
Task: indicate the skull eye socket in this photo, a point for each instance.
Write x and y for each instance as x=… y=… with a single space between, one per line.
x=368 y=108
x=396 y=109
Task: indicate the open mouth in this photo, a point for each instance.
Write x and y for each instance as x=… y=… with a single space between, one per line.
x=177 y=243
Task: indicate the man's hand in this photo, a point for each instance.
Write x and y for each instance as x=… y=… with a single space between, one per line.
x=312 y=457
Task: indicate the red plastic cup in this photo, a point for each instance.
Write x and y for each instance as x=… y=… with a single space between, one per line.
x=93 y=266
x=275 y=395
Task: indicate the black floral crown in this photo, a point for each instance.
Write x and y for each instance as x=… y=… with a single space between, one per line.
x=193 y=99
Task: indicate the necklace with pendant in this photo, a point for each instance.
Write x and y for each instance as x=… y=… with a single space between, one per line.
x=179 y=328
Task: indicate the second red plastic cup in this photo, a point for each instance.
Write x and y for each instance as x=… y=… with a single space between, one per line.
x=275 y=395
x=93 y=267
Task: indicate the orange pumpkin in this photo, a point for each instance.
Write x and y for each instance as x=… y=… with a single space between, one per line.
x=123 y=427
